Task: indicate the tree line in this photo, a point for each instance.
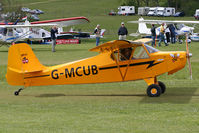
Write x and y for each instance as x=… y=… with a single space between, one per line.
x=188 y=6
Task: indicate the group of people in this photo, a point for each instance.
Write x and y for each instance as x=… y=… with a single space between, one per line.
x=169 y=32
x=122 y=33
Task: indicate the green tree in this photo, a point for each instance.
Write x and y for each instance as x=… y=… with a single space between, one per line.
x=12 y=9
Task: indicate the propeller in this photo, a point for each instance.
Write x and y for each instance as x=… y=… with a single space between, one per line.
x=189 y=55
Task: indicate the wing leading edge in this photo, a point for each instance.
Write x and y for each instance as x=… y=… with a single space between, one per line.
x=112 y=45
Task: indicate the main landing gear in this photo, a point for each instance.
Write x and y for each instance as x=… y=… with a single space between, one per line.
x=16 y=93
x=155 y=88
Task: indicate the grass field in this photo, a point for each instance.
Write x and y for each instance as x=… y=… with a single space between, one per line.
x=106 y=108
x=111 y=107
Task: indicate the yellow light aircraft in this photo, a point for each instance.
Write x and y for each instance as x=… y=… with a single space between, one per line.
x=118 y=60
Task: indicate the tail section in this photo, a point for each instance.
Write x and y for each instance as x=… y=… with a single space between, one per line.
x=21 y=61
x=142 y=28
x=102 y=32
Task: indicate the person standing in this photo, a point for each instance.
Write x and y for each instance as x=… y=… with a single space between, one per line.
x=97 y=32
x=122 y=32
x=162 y=31
x=167 y=32
x=53 y=31
x=153 y=35
x=173 y=34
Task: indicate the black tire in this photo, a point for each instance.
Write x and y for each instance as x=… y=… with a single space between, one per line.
x=16 y=93
x=162 y=86
x=154 y=90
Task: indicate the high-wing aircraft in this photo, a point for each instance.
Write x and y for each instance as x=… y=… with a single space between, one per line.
x=33 y=30
x=118 y=60
x=181 y=28
x=76 y=34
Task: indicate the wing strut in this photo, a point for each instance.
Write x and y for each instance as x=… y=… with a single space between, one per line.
x=118 y=66
x=188 y=56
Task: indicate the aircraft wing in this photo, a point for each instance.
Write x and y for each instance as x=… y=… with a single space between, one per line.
x=143 y=40
x=112 y=45
x=58 y=22
x=164 y=21
x=25 y=26
x=64 y=21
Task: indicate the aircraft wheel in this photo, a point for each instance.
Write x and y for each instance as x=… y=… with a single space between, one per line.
x=154 y=90
x=16 y=93
x=162 y=86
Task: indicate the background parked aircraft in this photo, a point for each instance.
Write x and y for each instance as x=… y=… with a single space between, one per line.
x=33 y=31
x=180 y=27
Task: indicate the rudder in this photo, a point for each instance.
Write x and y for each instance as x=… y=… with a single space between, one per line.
x=21 y=60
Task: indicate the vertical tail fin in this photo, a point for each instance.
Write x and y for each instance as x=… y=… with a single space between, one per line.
x=142 y=28
x=21 y=60
x=102 y=32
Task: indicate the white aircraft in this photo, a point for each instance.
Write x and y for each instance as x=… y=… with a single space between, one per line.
x=33 y=31
x=180 y=27
x=101 y=34
x=194 y=37
x=86 y=35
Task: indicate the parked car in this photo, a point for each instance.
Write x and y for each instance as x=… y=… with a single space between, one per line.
x=34 y=17
x=39 y=11
x=179 y=14
x=112 y=13
x=196 y=17
x=25 y=9
x=36 y=11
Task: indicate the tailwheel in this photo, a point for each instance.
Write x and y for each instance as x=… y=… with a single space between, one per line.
x=162 y=86
x=16 y=93
x=154 y=90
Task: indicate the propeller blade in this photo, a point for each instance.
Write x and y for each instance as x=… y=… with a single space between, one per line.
x=188 y=57
x=190 y=70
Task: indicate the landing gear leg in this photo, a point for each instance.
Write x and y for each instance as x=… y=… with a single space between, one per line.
x=16 y=93
x=155 y=88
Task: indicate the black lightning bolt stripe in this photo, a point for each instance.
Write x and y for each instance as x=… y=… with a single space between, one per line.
x=36 y=76
x=151 y=64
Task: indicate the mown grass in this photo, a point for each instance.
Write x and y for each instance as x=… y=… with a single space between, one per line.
x=112 y=107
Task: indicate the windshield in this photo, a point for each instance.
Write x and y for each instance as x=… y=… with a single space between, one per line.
x=151 y=49
x=179 y=26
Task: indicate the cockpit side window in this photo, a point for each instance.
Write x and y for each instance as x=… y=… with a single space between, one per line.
x=10 y=32
x=140 y=53
x=122 y=54
x=125 y=53
x=131 y=53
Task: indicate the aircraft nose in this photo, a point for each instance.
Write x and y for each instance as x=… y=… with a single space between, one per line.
x=190 y=54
